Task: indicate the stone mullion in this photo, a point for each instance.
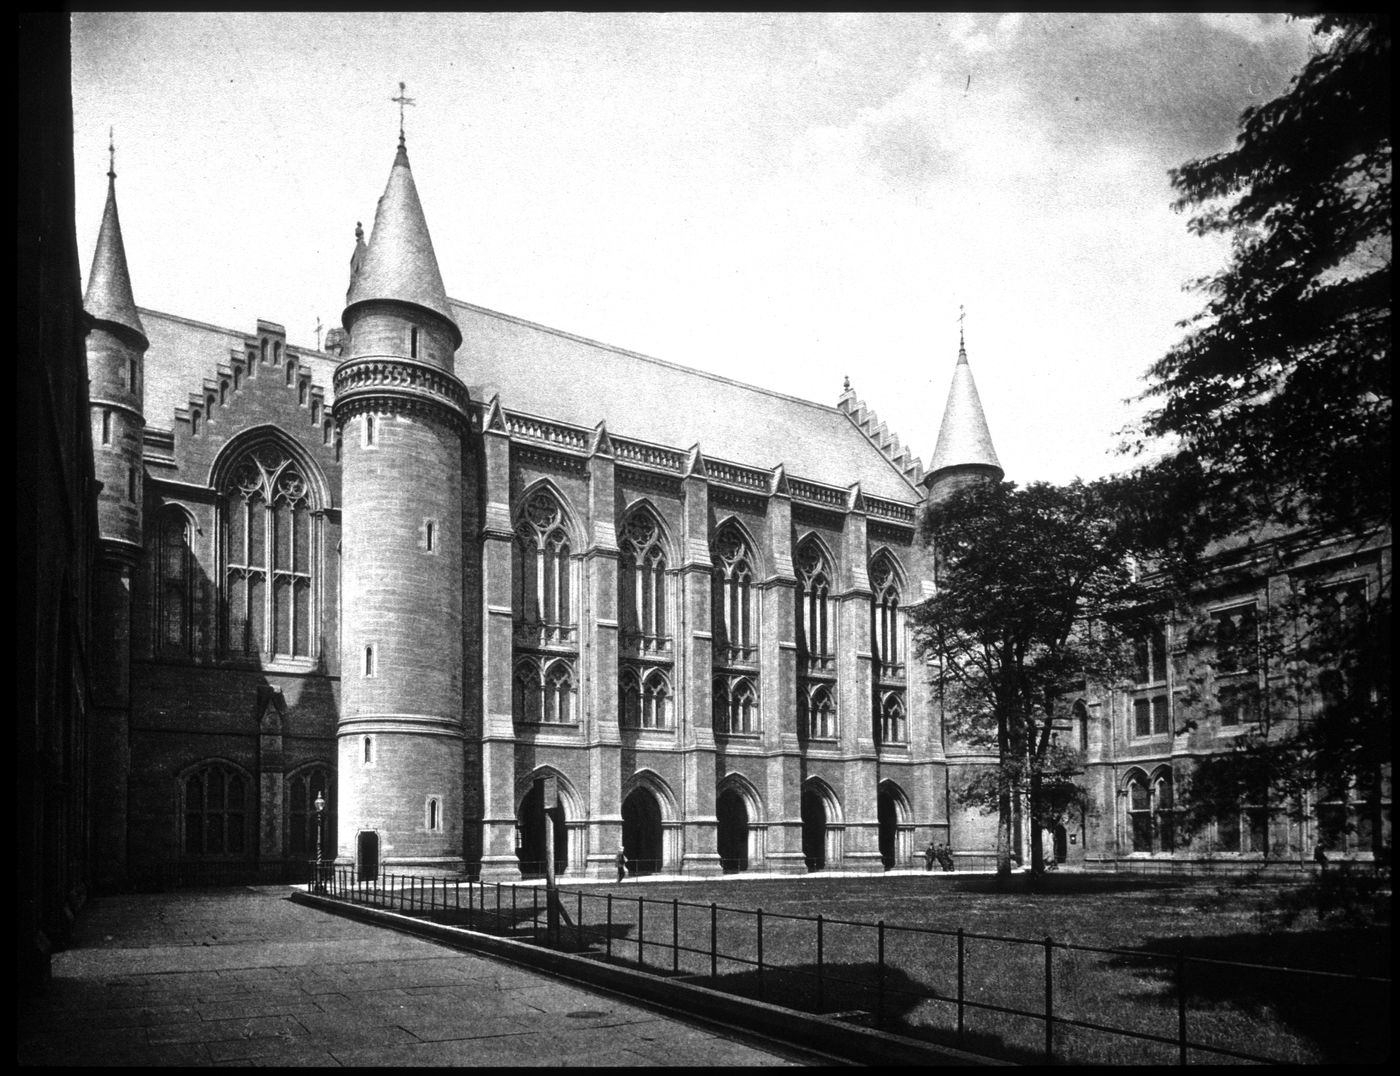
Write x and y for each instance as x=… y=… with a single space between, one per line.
x=599 y=646
x=854 y=685
x=497 y=662
x=695 y=656
x=777 y=657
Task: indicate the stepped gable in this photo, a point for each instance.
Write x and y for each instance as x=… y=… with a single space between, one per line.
x=878 y=434
x=261 y=381
x=554 y=375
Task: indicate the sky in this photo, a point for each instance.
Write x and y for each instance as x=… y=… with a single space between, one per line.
x=786 y=199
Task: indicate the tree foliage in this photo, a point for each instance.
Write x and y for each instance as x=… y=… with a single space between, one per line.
x=1037 y=592
x=1278 y=398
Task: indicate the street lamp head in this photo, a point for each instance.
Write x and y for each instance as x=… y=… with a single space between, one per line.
x=320 y=802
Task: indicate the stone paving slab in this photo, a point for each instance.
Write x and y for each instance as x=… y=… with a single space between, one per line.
x=244 y=977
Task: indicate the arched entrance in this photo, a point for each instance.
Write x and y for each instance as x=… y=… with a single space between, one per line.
x=366 y=855
x=813 y=830
x=888 y=814
x=1061 y=844
x=531 y=822
x=641 y=832
x=733 y=836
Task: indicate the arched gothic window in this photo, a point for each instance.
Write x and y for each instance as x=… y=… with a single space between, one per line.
x=644 y=702
x=269 y=559
x=558 y=693
x=216 y=806
x=732 y=611
x=302 y=789
x=818 y=712
x=887 y=622
x=642 y=585
x=174 y=591
x=529 y=691
x=1163 y=812
x=735 y=706
x=543 y=588
x=814 y=608
x=893 y=726
x=1139 y=814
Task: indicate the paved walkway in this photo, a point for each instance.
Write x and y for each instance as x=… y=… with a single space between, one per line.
x=245 y=977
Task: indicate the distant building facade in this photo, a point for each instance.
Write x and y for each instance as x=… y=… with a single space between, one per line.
x=456 y=559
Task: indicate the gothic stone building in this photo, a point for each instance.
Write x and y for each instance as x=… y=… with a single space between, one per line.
x=456 y=559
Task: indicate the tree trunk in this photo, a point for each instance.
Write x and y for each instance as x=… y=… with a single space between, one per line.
x=1037 y=837
x=1003 y=806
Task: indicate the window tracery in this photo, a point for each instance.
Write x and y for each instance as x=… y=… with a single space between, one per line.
x=174 y=592
x=269 y=556
x=543 y=575
x=814 y=609
x=302 y=789
x=215 y=802
x=644 y=699
x=735 y=703
x=817 y=712
x=732 y=599
x=642 y=582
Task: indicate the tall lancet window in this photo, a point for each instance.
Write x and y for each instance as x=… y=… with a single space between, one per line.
x=543 y=582
x=814 y=613
x=887 y=622
x=269 y=556
x=732 y=613
x=642 y=585
x=174 y=592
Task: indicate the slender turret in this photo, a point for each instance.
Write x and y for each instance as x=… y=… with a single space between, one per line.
x=402 y=415
x=116 y=348
x=964 y=452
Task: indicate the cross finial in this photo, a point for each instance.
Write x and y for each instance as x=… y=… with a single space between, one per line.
x=401 y=100
x=962 y=314
x=318 y=332
x=111 y=153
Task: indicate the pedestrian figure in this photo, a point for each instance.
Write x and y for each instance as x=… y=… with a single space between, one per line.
x=621 y=865
x=1320 y=858
x=945 y=857
x=930 y=854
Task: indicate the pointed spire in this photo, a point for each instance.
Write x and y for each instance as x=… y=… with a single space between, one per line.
x=109 y=295
x=400 y=263
x=963 y=439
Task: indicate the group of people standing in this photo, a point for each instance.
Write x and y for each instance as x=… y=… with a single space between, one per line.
x=940 y=854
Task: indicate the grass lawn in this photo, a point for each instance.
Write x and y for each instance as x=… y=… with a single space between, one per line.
x=1270 y=1013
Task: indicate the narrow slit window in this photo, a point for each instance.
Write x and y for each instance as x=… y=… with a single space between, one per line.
x=368 y=750
x=430 y=535
x=315 y=413
x=131 y=374
x=106 y=425
x=434 y=815
x=223 y=393
x=131 y=484
x=369 y=661
x=237 y=377
x=291 y=372
x=301 y=392
x=369 y=430
x=194 y=421
x=413 y=342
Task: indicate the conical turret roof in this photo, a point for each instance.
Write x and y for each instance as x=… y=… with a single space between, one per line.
x=963 y=439
x=109 y=295
x=400 y=263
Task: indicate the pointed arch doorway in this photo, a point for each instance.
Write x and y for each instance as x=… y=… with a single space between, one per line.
x=643 y=842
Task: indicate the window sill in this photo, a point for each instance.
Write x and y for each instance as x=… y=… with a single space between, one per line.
x=752 y=736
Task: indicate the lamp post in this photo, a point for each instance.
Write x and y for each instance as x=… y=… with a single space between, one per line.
x=320 y=886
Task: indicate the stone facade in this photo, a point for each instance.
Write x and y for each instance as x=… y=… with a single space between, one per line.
x=458 y=562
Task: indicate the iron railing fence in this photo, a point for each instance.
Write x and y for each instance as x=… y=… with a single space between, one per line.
x=1027 y=999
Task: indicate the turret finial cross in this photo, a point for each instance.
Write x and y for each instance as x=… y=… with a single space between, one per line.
x=401 y=100
x=111 y=153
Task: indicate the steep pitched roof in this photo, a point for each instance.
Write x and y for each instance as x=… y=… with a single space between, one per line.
x=552 y=374
x=401 y=263
x=109 y=295
x=963 y=438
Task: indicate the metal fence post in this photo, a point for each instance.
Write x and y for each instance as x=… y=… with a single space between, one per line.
x=962 y=949
x=714 y=931
x=675 y=935
x=1049 y=1001
x=609 y=928
x=498 y=905
x=535 y=912
x=821 y=971
x=760 y=954
x=579 y=919
x=1181 y=1007
x=880 y=974
x=640 y=912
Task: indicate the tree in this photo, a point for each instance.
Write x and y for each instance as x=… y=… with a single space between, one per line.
x=1037 y=593
x=1314 y=731
x=1278 y=398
